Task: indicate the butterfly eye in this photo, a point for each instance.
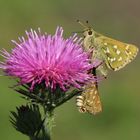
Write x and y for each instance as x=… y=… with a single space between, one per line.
x=89 y=32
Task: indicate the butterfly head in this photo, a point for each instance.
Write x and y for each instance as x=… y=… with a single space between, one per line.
x=88 y=31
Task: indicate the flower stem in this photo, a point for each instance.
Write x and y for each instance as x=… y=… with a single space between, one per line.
x=44 y=131
x=48 y=123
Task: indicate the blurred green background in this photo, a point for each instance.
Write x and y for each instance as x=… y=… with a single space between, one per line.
x=120 y=93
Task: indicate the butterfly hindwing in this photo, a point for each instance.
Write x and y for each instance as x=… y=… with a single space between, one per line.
x=92 y=102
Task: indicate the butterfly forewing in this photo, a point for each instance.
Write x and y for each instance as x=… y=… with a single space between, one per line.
x=116 y=54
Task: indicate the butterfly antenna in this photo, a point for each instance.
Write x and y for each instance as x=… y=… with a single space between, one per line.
x=87 y=23
x=81 y=24
x=78 y=32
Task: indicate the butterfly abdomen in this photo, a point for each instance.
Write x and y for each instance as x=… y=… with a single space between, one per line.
x=80 y=103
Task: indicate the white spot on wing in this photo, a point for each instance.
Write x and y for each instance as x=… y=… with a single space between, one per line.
x=115 y=46
x=112 y=59
x=94 y=97
x=95 y=92
x=118 y=52
x=107 y=50
x=127 y=47
x=108 y=58
x=120 y=58
x=105 y=43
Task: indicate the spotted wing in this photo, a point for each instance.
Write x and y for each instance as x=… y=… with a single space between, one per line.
x=116 y=54
x=92 y=102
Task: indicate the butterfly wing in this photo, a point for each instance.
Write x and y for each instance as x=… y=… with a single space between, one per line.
x=116 y=54
x=92 y=102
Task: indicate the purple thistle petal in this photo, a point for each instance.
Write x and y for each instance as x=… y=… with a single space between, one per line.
x=52 y=59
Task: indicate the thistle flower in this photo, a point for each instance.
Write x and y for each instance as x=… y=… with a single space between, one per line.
x=50 y=59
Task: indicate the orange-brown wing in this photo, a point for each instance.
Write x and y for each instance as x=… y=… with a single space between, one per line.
x=89 y=101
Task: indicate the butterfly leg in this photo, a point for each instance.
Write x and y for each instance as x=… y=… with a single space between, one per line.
x=103 y=70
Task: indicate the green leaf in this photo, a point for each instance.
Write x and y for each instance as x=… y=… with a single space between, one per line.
x=26 y=119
